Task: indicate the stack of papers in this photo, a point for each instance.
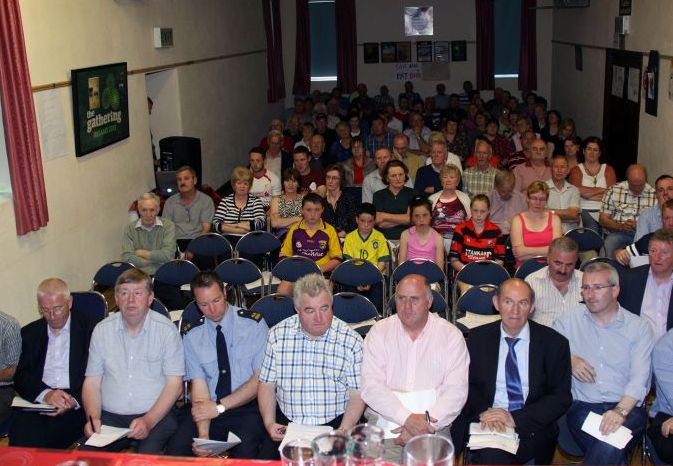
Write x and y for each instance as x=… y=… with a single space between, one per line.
x=108 y=435
x=617 y=439
x=484 y=438
x=472 y=320
x=20 y=403
x=296 y=431
x=215 y=446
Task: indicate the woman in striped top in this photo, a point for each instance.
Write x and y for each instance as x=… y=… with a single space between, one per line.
x=239 y=213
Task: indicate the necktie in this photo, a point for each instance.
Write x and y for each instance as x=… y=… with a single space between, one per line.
x=512 y=378
x=224 y=380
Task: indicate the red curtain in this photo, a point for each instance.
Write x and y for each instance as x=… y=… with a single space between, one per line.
x=346 y=37
x=528 y=54
x=274 y=50
x=485 y=44
x=21 y=136
x=302 y=63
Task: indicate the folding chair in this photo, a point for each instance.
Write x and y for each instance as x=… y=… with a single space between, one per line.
x=158 y=306
x=566 y=442
x=529 y=266
x=431 y=271
x=191 y=316
x=476 y=273
x=292 y=269
x=259 y=246
x=91 y=302
x=274 y=308
x=106 y=276
x=477 y=300
x=211 y=248
x=168 y=280
x=238 y=272
x=587 y=240
x=357 y=272
x=356 y=310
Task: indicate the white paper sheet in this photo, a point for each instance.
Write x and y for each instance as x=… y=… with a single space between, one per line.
x=472 y=320
x=52 y=117
x=617 y=439
x=19 y=402
x=108 y=435
x=296 y=431
x=484 y=438
x=215 y=446
x=417 y=401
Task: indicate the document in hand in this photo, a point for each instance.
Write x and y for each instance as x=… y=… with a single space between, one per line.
x=215 y=446
x=20 y=403
x=296 y=431
x=484 y=438
x=617 y=439
x=418 y=401
x=107 y=435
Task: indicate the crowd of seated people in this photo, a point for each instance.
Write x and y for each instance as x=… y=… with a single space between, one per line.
x=449 y=179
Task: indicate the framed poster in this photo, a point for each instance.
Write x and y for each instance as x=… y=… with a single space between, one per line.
x=404 y=52
x=388 y=52
x=100 y=106
x=418 y=21
x=371 y=52
x=424 y=51
x=442 y=51
x=458 y=50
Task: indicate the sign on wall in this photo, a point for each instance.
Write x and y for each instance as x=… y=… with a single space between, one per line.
x=100 y=106
x=407 y=72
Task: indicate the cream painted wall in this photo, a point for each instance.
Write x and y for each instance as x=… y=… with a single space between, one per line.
x=89 y=196
x=581 y=93
x=381 y=20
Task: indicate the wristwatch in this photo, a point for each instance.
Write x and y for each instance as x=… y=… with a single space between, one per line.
x=221 y=409
x=623 y=412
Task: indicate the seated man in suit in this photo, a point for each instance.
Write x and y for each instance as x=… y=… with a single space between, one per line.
x=648 y=293
x=519 y=378
x=10 y=350
x=51 y=370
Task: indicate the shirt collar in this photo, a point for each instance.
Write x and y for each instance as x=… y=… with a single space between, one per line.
x=65 y=329
x=157 y=223
x=617 y=321
x=524 y=334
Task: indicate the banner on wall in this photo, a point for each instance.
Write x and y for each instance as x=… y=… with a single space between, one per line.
x=407 y=72
x=100 y=106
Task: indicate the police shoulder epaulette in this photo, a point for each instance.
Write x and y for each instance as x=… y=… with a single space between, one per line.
x=254 y=315
x=187 y=326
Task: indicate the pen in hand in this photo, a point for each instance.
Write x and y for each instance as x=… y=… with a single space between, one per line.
x=427 y=417
x=93 y=428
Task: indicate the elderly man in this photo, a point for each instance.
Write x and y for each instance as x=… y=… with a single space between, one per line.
x=277 y=159
x=319 y=159
x=51 y=370
x=522 y=156
x=396 y=365
x=311 y=368
x=149 y=241
x=649 y=219
x=374 y=181
x=265 y=183
x=378 y=137
x=564 y=198
x=479 y=178
x=10 y=350
x=401 y=152
x=506 y=202
x=649 y=286
x=223 y=357
x=519 y=379
x=611 y=354
x=535 y=169
x=135 y=369
x=556 y=286
x=190 y=210
x=622 y=204
x=277 y=125
x=427 y=177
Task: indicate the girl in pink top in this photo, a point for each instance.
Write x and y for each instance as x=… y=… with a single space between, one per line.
x=421 y=241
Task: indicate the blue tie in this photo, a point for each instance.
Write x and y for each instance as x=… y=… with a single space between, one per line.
x=512 y=378
x=223 y=387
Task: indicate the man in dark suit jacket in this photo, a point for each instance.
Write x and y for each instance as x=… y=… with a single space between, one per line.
x=635 y=293
x=51 y=370
x=543 y=394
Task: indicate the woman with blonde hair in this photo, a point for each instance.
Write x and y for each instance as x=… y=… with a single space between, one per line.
x=239 y=212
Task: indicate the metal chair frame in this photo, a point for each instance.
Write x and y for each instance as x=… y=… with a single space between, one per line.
x=238 y=272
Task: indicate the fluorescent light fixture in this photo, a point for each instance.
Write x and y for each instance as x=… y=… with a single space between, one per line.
x=500 y=76
x=323 y=78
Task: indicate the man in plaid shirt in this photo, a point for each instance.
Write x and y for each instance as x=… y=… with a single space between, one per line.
x=311 y=368
x=621 y=205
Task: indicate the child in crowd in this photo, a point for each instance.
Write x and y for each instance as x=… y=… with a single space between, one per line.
x=421 y=241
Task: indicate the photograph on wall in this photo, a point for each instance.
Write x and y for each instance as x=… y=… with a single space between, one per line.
x=418 y=21
x=458 y=50
x=424 y=51
x=651 y=83
x=371 y=52
x=403 y=52
x=388 y=52
x=100 y=106
x=442 y=51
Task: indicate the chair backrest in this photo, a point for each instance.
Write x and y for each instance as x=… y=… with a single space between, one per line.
x=212 y=245
x=274 y=308
x=483 y=271
x=177 y=272
x=353 y=308
x=478 y=300
x=158 y=306
x=621 y=270
x=238 y=272
x=439 y=304
x=587 y=239
x=256 y=243
x=91 y=302
x=531 y=265
x=355 y=272
x=431 y=271
x=294 y=267
x=107 y=275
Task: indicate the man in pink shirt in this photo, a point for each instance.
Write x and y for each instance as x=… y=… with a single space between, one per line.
x=418 y=354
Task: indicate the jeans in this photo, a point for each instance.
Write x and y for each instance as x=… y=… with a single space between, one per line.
x=617 y=240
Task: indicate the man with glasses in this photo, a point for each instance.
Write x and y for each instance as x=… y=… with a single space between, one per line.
x=611 y=351
x=51 y=370
x=535 y=169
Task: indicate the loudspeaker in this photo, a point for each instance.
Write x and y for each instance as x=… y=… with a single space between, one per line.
x=177 y=151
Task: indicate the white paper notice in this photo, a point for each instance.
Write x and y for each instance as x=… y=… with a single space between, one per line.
x=108 y=434
x=618 y=81
x=51 y=115
x=617 y=439
x=215 y=446
x=634 y=84
x=296 y=431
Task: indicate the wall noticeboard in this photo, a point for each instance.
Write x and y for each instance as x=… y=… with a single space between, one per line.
x=100 y=106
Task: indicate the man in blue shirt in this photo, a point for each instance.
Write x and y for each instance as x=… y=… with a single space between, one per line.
x=223 y=356
x=661 y=426
x=611 y=351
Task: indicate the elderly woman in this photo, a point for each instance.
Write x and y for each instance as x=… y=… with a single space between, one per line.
x=339 y=206
x=285 y=210
x=450 y=207
x=240 y=212
x=533 y=230
x=392 y=203
x=357 y=167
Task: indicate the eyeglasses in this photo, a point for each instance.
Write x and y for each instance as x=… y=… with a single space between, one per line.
x=594 y=287
x=52 y=311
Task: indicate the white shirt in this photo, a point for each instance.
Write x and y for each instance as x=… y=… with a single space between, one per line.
x=501 y=400
x=450 y=158
x=273 y=164
x=550 y=304
x=56 y=373
x=655 y=304
x=265 y=187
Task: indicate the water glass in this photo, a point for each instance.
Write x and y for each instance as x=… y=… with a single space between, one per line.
x=297 y=453
x=366 y=445
x=330 y=449
x=429 y=450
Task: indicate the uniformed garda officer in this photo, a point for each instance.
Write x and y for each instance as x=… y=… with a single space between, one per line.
x=223 y=356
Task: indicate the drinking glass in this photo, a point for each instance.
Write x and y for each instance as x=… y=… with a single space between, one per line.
x=429 y=450
x=366 y=445
x=330 y=449
x=297 y=453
